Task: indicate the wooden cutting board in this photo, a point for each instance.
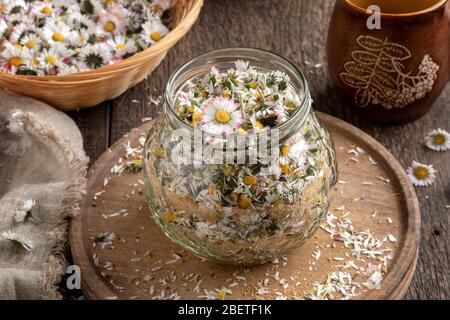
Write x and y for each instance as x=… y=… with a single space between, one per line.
x=142 y=263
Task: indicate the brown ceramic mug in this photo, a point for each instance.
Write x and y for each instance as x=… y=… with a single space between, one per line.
x=393 y=74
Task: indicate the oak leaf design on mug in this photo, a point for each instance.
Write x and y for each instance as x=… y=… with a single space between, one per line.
x=380 y=77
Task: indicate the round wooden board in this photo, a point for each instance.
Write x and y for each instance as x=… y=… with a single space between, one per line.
x=140 y=261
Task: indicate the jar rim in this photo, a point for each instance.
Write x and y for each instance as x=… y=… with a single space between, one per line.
x=298 y=117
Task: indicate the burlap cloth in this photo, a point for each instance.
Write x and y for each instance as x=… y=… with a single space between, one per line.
x=41 y=158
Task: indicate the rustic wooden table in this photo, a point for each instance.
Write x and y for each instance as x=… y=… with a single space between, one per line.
x=297 y=30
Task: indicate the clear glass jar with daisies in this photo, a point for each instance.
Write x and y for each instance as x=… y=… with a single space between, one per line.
x=238 y=170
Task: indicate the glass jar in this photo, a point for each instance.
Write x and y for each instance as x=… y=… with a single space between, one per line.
x=239 y=212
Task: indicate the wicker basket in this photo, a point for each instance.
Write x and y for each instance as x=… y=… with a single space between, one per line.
x=86 y=89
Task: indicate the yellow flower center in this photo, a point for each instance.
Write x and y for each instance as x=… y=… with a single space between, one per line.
x=120 y=46
x=252 y=85
x=284 y=150
x=170 y=216
x=2 y=7
x=258 y=125
x=154 y=9
x=47 y=10
x=245 y=202
x=109 y=26
x=439 y=139
x=212 y=190
x=58 y=37
x=290 y=105
x=155 y=36
x=228 y=170
x=160 y=152
x=196 y=116
x=18 y=45
x=110 y=2
x=191 y=109
x=16 y=61
x=31 y=44
x=250 y=180
x=223 y=117
x=221 y=295
x=286 y=169
x=35 y=62
x=421 y=173
x=51 y=59
x=226 y=94
x=278 y=202
x=234 y=196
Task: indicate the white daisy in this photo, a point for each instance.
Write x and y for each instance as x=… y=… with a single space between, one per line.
x=220 y=116
x=25 y=211
x=95 y=55
x=162 y=4
x=438 y=140
x=122 y=46
x=110 y=23
x=77 y=20
x=293 y=153
x=31 y=41
x=241 y=65
x=153 y=31
x=21 y=17
x=421 y=175
x=3 y=26
x=15 y=56
x=43 y=9
x=17 y=32
x=50 y=59
x=55 y=31
x=77 y=38
x=17 y=240
x=67 y=69
x=6 y=6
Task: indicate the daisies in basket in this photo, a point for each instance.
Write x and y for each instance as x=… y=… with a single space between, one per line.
x=66 y=36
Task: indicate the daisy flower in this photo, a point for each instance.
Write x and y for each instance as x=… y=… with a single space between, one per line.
x=221 y=116
x=77 y=20
x=292 y=153
x=43 y=9
x=17 y=240
x=17 y=32
x=9 y=6
x=95 y=56
x=31 y=41
x=15 y=56
x=55 y=31
x=67 y=69
x=21 y=17
x=241 y=65
x=421 y=175
x=110 y=23
x=78 y=38
x=122 y=46
x=3 y=26
x=50 y=59
x=153 y=31
x=162 y=4
x=438 y=140
x=25 y=212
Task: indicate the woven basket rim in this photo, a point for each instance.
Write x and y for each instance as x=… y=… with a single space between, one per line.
x=166 y=42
